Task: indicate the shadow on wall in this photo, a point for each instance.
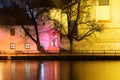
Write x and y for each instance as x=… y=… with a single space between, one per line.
x=63 y=50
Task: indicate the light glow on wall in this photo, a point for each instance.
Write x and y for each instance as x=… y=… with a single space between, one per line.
x=102 y=13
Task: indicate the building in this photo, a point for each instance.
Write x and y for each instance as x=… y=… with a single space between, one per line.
x=104 y=12
x=49 y=36
x=14 y=39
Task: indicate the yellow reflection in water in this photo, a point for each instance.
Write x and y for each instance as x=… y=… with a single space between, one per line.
x=97 y=70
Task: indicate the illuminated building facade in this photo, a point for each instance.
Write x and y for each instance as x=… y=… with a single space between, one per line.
x=104 y=12
x=16 y=40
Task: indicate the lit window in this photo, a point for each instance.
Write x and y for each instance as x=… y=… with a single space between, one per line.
x=12 y=45
x=103 y=2
x=12 y=31
x=27 y=46
x=54 y=39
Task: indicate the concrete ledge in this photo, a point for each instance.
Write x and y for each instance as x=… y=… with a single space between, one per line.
x=60 y=56
x=64 y=58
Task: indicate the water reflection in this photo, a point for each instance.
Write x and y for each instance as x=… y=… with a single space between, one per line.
x=95 y=70
x=59 y=70
x=50 y=70
x=80 y=70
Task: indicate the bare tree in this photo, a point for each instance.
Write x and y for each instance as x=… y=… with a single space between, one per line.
x=26 y=11
x=77 y=11
x=78 y=17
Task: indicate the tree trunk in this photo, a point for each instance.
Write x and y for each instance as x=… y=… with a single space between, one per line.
x=71 y=44
x=39 y=47
x=37 y=40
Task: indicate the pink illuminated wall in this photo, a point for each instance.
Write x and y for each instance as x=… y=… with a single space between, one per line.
x=6 y=39
x=54 y=40
x=49 y=39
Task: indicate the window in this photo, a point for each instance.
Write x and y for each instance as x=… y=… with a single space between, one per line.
x=27 y=46
x=54 y=39
x=12 y=45
x=12 y=31
x=103 y=11
x=103 y=2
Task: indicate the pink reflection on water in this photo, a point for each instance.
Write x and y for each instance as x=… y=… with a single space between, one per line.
x=50 y=71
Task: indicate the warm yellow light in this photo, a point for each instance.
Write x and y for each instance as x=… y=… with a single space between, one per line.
x=102 y=13
x=57 y=15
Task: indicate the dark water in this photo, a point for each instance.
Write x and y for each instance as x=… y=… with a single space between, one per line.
x=59 y=70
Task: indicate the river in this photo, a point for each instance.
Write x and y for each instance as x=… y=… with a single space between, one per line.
x=59 y=70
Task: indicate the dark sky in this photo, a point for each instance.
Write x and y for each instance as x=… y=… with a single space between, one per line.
x=7 y=3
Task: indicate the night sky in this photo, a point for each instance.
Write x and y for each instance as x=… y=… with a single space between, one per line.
x=7 y=3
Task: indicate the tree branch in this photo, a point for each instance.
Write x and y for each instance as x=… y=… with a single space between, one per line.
x=88 y=33
x=26 y=31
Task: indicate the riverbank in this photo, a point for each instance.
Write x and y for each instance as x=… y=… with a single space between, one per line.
x=60 y=56
x=64 y=58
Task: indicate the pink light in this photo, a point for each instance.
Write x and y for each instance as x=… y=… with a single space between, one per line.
x=50 y=40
